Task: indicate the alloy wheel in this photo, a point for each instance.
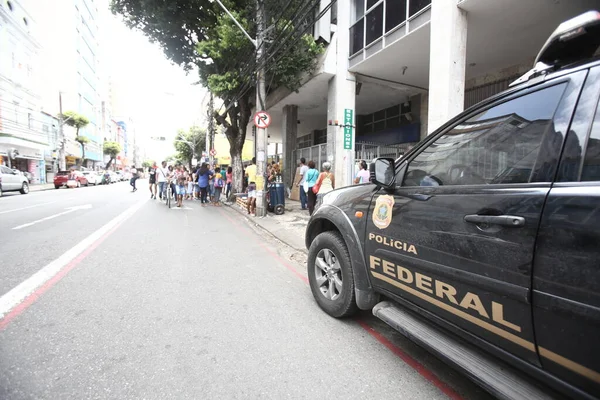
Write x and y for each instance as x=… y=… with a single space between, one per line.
x=328 y=274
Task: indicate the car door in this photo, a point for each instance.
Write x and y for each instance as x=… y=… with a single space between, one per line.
x=9 y=179
x=566 y=272
x=459 y=240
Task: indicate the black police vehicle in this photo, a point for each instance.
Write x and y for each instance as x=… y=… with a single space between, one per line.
x=482 y=244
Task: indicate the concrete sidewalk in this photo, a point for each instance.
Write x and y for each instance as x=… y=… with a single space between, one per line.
x=40 y=187
x=289 y=228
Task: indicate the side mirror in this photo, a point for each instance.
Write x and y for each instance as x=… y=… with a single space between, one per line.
x=383 y=172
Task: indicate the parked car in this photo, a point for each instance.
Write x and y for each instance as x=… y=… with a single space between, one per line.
x=120 y=176
x=114 y=178
x=12 y=181
x=61 y=178
x=92 y=177
x=27 y=174
x=481 y=243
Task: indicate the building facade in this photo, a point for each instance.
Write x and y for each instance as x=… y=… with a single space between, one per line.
x=22 y=140
x=395 y=70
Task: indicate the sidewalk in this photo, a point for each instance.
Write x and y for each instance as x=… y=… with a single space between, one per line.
x=289 y=228
x=40 y=187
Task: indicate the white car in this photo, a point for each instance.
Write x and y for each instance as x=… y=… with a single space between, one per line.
x=12 y=181
x=92 y=177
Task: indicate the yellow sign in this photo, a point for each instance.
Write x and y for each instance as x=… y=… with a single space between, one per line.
x=382 y=214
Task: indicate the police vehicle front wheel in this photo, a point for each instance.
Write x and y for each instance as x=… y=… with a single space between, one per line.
x=330 y=275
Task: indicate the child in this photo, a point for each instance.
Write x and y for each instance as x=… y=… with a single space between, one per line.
x=218 y=188
x=190 y=187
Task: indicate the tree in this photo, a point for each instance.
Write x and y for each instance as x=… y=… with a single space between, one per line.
x=112 y=149
x=147 y=164
x=190 y=144
x=197 y=33
x=77 y=121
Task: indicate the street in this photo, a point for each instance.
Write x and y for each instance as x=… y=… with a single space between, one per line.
x=106 y=294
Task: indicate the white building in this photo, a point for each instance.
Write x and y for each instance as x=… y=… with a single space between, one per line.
x=20 y=120
x=69 y=32
x=398 y=69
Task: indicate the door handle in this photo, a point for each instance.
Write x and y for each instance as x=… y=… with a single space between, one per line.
x=504 y=220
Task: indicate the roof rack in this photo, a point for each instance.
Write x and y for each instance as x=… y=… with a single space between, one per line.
x=574 y=40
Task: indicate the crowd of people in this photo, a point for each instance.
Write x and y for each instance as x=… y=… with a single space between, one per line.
x=204 y=183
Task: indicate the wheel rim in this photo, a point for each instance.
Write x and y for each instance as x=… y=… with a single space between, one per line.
x=25 y=188
x=328 y=274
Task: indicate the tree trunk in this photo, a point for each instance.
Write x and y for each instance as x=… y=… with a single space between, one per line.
x=110 y=160
x=82 y=153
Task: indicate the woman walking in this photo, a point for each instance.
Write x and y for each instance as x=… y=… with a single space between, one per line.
x=228 y=181
x=326 y=181
x=311 y=178
x=180 y=181
x=189 y=194
x=204 y=175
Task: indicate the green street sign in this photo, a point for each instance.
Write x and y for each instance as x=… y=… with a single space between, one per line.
x=348 y=122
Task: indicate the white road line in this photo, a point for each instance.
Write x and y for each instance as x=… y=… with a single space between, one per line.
x=69 y=210
x=28 y=207
x=15 y=296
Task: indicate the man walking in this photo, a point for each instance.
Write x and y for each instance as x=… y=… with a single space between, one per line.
x=134 y=177
x=251 y=174
x=152 y=179
x=303 y=171
x=162 y=174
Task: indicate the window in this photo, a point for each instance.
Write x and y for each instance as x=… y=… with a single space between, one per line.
x=414 y=6
x=591 y=162
x=10 y=6
x=497 y=146
x=374 y=24
x=395 y=14
x=356 y=37
x=359 y=9
x=371 y=3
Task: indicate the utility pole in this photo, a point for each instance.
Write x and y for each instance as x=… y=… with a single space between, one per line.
x=211 y=129
x=61 y=150
x=261 y=134
x=261 y=94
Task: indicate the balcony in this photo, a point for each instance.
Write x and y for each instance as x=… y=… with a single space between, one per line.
x=381 y=23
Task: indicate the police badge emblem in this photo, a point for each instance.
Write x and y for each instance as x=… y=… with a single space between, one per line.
x=382 y=214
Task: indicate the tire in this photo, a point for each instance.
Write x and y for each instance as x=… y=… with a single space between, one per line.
x=25 y=188
x=334 y=266
x=279 y=209
x=0 y=191
x=56 y=186
x=78 y=185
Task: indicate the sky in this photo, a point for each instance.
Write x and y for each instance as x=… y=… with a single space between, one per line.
x=158 y=95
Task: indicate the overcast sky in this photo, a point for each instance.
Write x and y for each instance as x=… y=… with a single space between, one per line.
x=160 y=96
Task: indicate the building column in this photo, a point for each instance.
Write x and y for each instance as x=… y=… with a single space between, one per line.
x=341 y=99
x=289 y=135
x=447 y=59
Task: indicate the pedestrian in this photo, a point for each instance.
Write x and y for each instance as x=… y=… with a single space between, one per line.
x=134 y=177
x=172 y=182
x=152 y=180
x=363 y=175
x=190 y=186
x=228 y=181
x=311 y=178
x=204 y=175
x=218 y=188
x=162 y=173
x=180 y=181
x=251 y=174
x=303 y=194
x=211 y=183
x=326 y=180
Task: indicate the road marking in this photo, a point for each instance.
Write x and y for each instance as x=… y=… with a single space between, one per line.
x=69 y=210
x=27 y=292
x=28 y=207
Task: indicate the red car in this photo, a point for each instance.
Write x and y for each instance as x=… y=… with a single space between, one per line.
x=61 y=178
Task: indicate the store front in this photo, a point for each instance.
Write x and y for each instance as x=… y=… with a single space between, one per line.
x=28 y=157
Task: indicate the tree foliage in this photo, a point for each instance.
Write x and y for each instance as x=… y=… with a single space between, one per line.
x=198 y=34
x=112 y=149
x=77 y=121
x=190 y=144
x=147 y=164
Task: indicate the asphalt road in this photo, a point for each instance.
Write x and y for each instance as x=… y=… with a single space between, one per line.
x=192 y=303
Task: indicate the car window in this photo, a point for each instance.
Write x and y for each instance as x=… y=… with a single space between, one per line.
x=499 y=145
x=591 y=162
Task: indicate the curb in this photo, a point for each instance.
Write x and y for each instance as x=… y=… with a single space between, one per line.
x=233 y=206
